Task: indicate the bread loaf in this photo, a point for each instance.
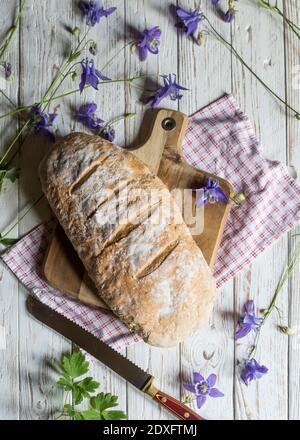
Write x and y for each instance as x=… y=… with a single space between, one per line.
x=142 y=259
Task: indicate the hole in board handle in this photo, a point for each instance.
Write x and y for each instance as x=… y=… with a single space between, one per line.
x=169 y=124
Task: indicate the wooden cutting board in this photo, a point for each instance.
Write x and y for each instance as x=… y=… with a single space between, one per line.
x=163 y=154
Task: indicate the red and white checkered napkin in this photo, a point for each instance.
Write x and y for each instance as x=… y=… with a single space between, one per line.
x=220 y=140
x=25 y=260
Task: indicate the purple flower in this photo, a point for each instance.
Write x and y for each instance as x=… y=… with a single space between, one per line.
x=249 y=322
x=43 y=122
x=90 y=75
x=170 y=89
x=211 y=193
x=149 y=41
x=7 y=69
x=189 y=21
x=109 y=134
x=87 y=115
x=215 y=2
x=253 y=371
x=94 y=12
x=203 y=388
x=229 y=16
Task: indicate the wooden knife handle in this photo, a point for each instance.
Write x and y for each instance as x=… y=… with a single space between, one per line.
x=177 y=408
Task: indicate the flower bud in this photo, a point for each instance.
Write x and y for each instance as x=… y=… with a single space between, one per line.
x=239 y=199
x=74 y=76
x=201 y=39
x=93 y=48
x=287 y=330
x=76 y=31
x=133 y=48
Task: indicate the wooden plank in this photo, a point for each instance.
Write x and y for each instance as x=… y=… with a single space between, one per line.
x=9 y=361
x=258 y=37
x=206 y=70
x=111 y=104
x=142 y=14
x=261 y=44
x=293 y=136
x=39 y=347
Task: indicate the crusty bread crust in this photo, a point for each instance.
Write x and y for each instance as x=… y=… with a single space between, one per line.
x=150 y=273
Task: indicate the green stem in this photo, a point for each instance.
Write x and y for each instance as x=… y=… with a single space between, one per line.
x=17 y=137
x=64 y=76
x=116 y=121
x=72 y=92
x=13 y=30
x=273 y=305
x=7 y=98
x=62 y=414
x=116 y=55
x=294 y=27
x=128 y=81
x=23 y=216
x=49 y=90
x=238 y=56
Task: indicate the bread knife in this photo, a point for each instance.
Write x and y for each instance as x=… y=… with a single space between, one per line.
x=109 y=357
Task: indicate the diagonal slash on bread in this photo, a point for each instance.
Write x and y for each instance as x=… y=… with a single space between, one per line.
x=130 y=235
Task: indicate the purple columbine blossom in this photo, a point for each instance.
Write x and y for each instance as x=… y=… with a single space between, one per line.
x=87 y=115
x=43 y=122
x=189 y=21
x=149 y=41
x=253 y=371
x=211 y=193
x=170 y=90
x=90 y=75
x=94 y=11
x=203 y=388
x=249 y=321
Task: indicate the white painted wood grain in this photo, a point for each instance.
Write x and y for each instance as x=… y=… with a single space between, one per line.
x=258 y=37
x=142 y=14
x=9 y=313
x=111 y=104
x=26 y=378
x=43 y=41
x=293 y=144
x=212 y=349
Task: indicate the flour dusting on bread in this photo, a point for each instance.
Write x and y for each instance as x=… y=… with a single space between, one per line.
x=135 y=246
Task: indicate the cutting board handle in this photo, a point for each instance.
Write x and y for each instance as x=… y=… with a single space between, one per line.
x=168 y=131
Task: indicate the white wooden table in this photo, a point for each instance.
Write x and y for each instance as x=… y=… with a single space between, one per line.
x=27 y=380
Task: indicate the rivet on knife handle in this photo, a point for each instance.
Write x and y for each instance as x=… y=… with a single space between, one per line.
x=177 y=408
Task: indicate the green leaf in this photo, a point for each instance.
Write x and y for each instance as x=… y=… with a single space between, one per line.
x=102 y=401
x=13 y=174
x=74 y=56
x=71 y=412
x=100 y=408
x=114 y=415
x=75 y=365
x=91 y=414
x=84 y=389
x=8 y=241
x=65 y=382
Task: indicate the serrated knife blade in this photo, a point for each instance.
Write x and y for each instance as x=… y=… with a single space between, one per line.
x=109 y=357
